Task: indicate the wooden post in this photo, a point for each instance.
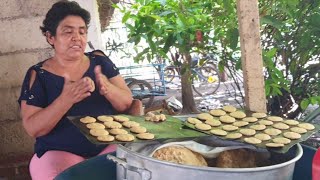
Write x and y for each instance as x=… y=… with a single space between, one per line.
x=251 y=55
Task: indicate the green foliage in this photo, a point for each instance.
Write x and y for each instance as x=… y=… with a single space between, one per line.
x=290 y=34
x=290 y=39
x=166 y=24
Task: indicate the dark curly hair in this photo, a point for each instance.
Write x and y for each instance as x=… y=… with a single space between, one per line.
x=59 y=11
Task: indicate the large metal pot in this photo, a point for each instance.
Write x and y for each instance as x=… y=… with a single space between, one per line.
x=134 y=166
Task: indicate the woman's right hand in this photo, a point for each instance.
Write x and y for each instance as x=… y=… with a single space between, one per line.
x=76 y=91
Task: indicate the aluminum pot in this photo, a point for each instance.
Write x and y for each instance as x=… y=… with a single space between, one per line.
x=134 y=166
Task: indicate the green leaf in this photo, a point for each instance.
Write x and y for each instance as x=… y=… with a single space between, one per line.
x=271 y=21
x=313 y=100
x=276 y=90
x=293 y=3
x=126 y=16
x=304 y=104
x=169 y=42
x=271 y=53
x=315 y=20
x=238 y=64
x=139 y=55
x=267 y=89
x=234 y=38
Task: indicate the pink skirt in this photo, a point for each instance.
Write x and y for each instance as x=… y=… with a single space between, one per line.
x=53 y=163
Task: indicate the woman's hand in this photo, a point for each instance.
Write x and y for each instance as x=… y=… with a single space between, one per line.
x=75 y=91
x=114 y=90
x=102 y=81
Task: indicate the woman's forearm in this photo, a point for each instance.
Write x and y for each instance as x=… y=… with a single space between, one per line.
x=40 y=121
x=120 y=99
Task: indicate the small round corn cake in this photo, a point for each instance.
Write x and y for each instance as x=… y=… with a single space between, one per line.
x=95 y=126
x=247 y=132
x=240 y=123
x=192 y=120
x=217 y=112
x=274 y=145
x=281 y=126
x=113 y=125
x=229 y=108
x=88 y=119
x=138 y=129
x=229 y=128
x=120 y=118
x=104 y=118
x=265 y=122
x=262 y=137
x=298 y=130
x=233 y=136
x=275 y=118
x=238 y=114
x=146 y=136
x=227 y=119
x=252 y=140
x=118 y=131
x=163 y=117
x=125 y=137
x=147 y=118
x=106 y=138
x=281 y=140
x=250 y=119
x=259 y=115
x=130 y=124
x=98 y=132
x=218 y=132
x=258 y=127
x=203 y=127
x=306 y=126
x=213 y=123
x=291 y=122
x=204 y=116
x=272 y=131
x=156 y=118
x=291 y=135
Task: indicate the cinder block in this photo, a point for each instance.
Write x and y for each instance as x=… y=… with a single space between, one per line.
x=9 y=104
x=14 y=139
x=13 y=68
x=10 y=8
x=21 y=34
x=38 y=7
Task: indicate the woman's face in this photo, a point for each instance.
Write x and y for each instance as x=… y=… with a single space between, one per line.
x=71 y=37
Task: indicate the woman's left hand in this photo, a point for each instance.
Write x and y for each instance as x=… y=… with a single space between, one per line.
x=102 y=81
x=114 y=89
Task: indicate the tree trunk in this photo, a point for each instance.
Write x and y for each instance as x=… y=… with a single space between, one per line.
x=189 y=105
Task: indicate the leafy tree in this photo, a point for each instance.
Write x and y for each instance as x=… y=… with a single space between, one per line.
x=290 y=41
x=289 y=34
x=165 y=25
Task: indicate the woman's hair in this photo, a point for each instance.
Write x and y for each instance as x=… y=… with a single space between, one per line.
x=59 y=11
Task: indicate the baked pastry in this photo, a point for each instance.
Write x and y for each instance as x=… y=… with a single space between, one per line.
x=180 y=155
x=236 y=158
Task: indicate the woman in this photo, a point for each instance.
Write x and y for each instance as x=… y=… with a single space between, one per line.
x=71 y=83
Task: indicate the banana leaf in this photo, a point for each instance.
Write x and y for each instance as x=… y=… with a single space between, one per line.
x=283 y=149
x=171 y=129
x=312 y=115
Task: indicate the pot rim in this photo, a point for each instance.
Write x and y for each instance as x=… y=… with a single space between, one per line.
x=299 y=154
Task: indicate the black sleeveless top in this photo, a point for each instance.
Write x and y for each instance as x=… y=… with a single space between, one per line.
x=65 y=136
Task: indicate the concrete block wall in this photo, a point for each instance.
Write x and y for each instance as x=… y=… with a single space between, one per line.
x=23 y=45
